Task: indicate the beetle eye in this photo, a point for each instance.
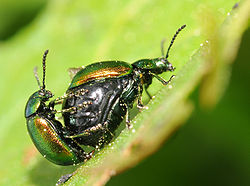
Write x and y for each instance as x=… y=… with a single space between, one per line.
x=48 y=94
x=170 y=67
x=163 y=60
x=41 y=93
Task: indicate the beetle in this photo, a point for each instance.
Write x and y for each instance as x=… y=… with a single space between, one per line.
x=97 y=101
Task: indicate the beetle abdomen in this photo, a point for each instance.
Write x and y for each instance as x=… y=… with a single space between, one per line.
x=103 y=111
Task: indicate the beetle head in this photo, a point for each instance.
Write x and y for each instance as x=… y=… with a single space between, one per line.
x=164 y=59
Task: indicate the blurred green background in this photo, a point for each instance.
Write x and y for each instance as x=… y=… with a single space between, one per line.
x=211 y=148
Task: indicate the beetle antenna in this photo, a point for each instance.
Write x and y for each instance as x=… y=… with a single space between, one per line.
x=44 y=67
x=162 y=46
x=36 y=76
x=172 y=41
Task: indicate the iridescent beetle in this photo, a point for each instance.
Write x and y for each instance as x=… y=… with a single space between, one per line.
x=96 y=102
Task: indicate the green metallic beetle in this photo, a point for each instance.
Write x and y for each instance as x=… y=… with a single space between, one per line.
x=95 y=104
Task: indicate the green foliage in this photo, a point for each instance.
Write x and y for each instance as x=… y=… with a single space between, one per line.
x=79 y=33
x=15 y=14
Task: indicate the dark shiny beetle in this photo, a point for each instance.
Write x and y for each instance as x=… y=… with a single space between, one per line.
x=93 y=107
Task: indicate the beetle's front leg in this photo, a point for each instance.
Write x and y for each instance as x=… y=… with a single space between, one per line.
x=59 y=100
x=163 y=81
x=88 y=132
x=73 y=109
x=56 y=101
x=84 y=133
x=170 y=79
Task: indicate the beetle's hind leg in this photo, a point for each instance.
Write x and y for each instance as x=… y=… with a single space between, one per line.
x=170 y=79
x=127 y=116
x=89 y=131
x=86 y=132
x=107 y=135
x=139 y=103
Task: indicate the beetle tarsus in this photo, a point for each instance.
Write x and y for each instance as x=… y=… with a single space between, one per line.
x=170 y=79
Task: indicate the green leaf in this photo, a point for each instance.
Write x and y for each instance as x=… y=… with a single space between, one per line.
x=79 y=33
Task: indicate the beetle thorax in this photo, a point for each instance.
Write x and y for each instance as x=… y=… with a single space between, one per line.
x=36 y=103
x=156 y=65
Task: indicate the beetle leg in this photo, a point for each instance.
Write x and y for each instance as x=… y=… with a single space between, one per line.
x=127 y=116
x=84 y=133
x=71 y=109
x=163 y=81
x=87 y=132
x=170 y=79
x=59 y=100
x=78 y=93
x=139 y=101
x=74 y=109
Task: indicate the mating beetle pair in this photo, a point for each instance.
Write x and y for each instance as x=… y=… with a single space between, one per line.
x=96 y=102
